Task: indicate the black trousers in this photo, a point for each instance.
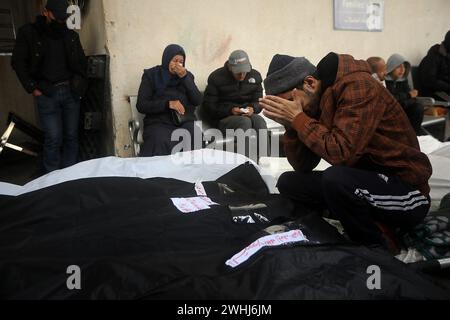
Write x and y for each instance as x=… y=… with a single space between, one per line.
x=358 y=199
x=415 y=112
x=158 y=138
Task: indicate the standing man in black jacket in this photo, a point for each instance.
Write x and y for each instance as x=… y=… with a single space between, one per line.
x=50 y=63
x=233 y=93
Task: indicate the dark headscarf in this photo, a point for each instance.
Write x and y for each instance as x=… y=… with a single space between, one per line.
x=163 y=79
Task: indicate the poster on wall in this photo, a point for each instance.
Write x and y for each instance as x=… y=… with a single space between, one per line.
x=361 y=15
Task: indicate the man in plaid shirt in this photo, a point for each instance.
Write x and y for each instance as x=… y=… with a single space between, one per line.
x=340 y=113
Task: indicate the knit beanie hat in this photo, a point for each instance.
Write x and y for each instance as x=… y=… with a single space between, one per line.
x=327 y=70
x=286 y=72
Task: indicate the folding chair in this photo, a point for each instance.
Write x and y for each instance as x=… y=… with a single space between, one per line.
x=17 y=122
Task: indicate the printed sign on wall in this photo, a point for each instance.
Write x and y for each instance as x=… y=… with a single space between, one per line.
x=362 y=15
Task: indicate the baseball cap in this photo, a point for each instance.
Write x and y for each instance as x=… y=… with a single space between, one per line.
x=58 y=8
x=239 y=62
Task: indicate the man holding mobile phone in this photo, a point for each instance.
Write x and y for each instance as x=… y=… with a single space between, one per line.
x=232 y=95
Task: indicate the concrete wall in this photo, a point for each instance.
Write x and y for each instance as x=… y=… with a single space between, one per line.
x=93 y=32
x=138 y=30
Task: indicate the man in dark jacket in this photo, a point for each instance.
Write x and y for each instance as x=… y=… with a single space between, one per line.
x=51 y=65
x=231 y=97
x=435 y=70
x=341 y=114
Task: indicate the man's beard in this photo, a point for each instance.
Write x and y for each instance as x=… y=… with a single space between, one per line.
x=313 y=105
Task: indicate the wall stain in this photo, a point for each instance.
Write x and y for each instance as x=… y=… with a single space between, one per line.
x=223 y=50
x=211 y=47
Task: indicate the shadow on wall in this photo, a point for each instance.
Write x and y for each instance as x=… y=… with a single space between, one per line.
x=222 y=51
x=13 y=98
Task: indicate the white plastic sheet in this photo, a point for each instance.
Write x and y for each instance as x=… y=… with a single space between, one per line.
x=195 y=166
x=208 y=165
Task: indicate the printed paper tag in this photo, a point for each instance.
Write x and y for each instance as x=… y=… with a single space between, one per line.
x=275 y=240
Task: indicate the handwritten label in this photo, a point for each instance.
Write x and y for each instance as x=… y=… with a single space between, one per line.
x=275 y=240
x=200 y=189
x=188 y=205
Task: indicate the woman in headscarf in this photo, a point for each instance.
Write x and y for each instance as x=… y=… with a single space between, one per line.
x=168 y=97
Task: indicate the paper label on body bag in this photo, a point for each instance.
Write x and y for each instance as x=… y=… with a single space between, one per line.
x=188 y=205
x=208 y=201
x=274 y=240
x=200 y=189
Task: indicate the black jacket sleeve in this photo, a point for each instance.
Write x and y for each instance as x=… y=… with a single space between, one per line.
x=256 y=96
x=80 y=68
x=147 y=103
x=20 y=62
x=82 y=59
x=429 y=70
x=299 y=155
x=217 y=110
x=194 y=95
